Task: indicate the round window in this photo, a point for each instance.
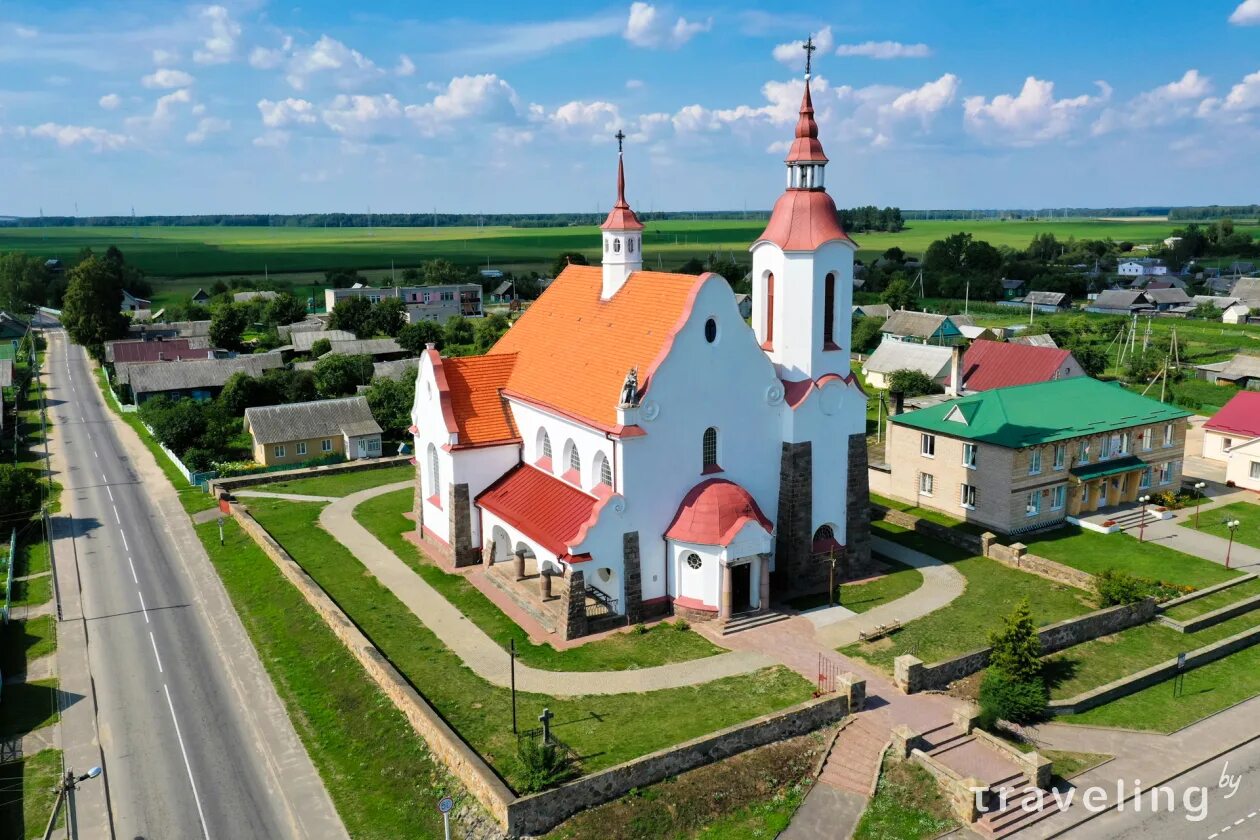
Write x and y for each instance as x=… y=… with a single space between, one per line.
x=710 y=330
x=694 y=561
x=604 y=575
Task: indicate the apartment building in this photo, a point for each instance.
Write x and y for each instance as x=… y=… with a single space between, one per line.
x=424 y=303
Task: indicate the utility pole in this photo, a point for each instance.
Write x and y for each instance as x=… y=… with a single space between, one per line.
x=67 y=784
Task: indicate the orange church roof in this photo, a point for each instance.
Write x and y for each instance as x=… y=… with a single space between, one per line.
x=573 y=350
x=481 y=414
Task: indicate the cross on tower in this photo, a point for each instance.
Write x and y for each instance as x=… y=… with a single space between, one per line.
x=620 y=135
x=809 y=48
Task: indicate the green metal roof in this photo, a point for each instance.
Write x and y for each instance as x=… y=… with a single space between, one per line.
x=1105 y=468
x=1044 y=412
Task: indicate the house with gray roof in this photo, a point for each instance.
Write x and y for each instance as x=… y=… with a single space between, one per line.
x=310 y=324
x=200 y=379
x=1242 y=371
x=922 y=328
x=380 y=349
x=297 y=432
x=246 y=297
x=1120 y=302
x=872 y=310
x=891 y=356
x=400 y=369
x=1165 y=299
x=1247 y=290
x=1043 y=340
x=303 y=340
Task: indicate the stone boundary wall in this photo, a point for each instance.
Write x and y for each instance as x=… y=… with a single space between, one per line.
x=1207 y=590
x=956 y=538
x=959 y=792
x=236 y=482
x=540 y=812
x=446 y=745
x=1155 y=674
x=911 y=675
x=1035 y=766
x=1214 y=617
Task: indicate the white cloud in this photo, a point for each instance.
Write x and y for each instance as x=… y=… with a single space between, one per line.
x=925 y=101
x=286 y=112
x=1159 y=106
x=594 y=119
x=163 y=110
x=885 y=115
x=647 y=27
x=634 y=84
x=166 y=77
x=405 y=67
x=273 y=139
x=1244 y=96
x=1247 y=14
x=27 y=32
x=206 y=127
x=219 y=44
x=163 y=57
x=324 y=55
x=793 y=53
x=1033 y=116
x=262 y=58
x=72 y=135
x=486 y=96
x=884 y=50
x=110 y=101
x=360 y=114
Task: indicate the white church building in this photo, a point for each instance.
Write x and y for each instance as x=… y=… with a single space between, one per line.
x=646 y=447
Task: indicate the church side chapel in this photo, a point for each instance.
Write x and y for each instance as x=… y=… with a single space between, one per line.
x=633 y=448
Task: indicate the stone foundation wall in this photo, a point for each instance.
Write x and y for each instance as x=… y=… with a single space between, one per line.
x=573 y=604
x=634 y=577
x=912 y=675
x=463 y=552
x=796 y=569
x=694 y=615
x=237 y=482
x=857 y=526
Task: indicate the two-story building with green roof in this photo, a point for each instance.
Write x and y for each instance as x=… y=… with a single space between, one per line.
x=1029 y=456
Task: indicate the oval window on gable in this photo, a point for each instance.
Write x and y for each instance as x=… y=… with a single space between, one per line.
x=710 y=330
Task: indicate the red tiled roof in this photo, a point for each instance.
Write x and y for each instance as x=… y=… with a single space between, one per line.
x=1239 y=416
x=573 y=349
x=545 y=508
x=802 y=220
x=482 y=416
x=998 y=364
x=170 y=350
x=713 y=512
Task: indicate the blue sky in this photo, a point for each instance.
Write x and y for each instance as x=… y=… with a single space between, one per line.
x=511 y=106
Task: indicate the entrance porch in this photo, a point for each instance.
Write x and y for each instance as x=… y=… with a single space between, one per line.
x=1093 y=488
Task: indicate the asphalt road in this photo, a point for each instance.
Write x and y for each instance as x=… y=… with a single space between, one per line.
x=1230 y=813
x=195 y=740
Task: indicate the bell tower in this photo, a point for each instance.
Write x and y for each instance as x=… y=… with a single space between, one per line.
x=622 y=234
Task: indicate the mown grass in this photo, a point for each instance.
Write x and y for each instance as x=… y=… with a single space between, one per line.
x=661 y=643
x=339 y=484
x=1245 y=513
x=929 y=514
x=1094 y=553
x=603 y=729
x=907 y=805
x=35 y=776
x=992 y=592
x=1215 y=601
x=900 y=580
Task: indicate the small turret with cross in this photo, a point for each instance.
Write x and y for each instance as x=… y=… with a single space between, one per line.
x=809 y=48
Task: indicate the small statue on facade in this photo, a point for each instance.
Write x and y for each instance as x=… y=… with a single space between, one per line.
x=630 y=390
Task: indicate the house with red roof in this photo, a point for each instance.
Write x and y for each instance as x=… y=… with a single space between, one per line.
x=640 y=447
x=999 y=364
x=1232 y=436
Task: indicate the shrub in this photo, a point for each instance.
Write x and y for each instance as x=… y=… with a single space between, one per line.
x=1115 y=587
x=19 y=487
x=912 y=383
x=682 y=624
x=545 y=765
x=1004 y=698
x=640 y=628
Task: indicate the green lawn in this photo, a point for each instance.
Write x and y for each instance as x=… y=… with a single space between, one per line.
x=1213 y=522
x=907 y=805
x=992 y=592
x=604 y=730
x=34 y=775
x=1100 y=661
x=340 y=484
x=26 y=641
x=1208 y=603
x=662 y=643
x=1092 y=552
x=27 y=707
x=899 y=581
x=1205 y=691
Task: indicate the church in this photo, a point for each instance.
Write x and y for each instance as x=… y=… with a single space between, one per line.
x=641 y=447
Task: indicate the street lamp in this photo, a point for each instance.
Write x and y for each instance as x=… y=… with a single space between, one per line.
x=67 y=783
x=1145 y=500
x=1198 y=500
x=1232 y=525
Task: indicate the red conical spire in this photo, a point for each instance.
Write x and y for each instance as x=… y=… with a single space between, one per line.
x=806 y=147
x=621 y=217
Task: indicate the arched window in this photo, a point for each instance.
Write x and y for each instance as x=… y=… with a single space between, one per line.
x=829 y=311
x=825 y=540
x=572 y=464
x=434 y=482
x=605 y=246
x=616 y=246
x=544 y=447
x=575 y=460
x=630 y=245
x=769 y=309
x=709 y=449
x=603 y=469
x=824 y=532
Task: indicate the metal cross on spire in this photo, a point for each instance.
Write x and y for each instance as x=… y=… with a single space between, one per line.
x=620 y=135
x=809 y=48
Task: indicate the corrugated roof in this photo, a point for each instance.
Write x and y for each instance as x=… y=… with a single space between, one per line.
x=1043 y=340
x=349 y=416
x=546 y=509
x=1239 y=367
x=874 y=310
x=573 y=349
x=363 y=346
x=997 y=364
x=309 y=325
x=482 y=416
x=401 y=369
x=1025 y=415
x=155 y=377
x=1239 y=416
x=1120 y=299
x=918 y=324
x=246 y=297
x=1045 y=298
x=1167 y=296
x=303 y=339
x=908 y=355
x=170 y=349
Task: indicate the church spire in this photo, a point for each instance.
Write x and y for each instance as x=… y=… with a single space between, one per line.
x=806 y=148
x=622 y=234
x=621 y=217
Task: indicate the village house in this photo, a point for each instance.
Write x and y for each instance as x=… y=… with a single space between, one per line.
x=999 y=364
x=1232 y=437
x=1030 y=456
x=892 y=356
x=872 y=310
x=1242 y=371
x=922 y=328
x=134 y=303
x=200 y=379
x=1121 y=302
x=636 y=445
x=201 y=297
x=1141 y=268
x=298 y=432
x=424 y=303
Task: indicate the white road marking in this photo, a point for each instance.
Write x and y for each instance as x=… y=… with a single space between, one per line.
x=116 y=519
x=187 y=766
x=126 y=547
x=143 y=608
x=110 y=492
x=134 y=579
x=155 y=651
x=95 y=454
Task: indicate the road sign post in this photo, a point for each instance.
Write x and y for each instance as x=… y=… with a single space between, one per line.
x=445 y=806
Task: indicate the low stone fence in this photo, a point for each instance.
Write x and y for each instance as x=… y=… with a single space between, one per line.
x=1155 y=674
x=1210 y=619
x=236 y=482
x=911 y=675
x=540 y=812
x=944 y=533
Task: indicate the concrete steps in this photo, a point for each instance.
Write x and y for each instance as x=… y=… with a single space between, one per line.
x=854 y=761
x=1015 y=817
x=749 y=621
